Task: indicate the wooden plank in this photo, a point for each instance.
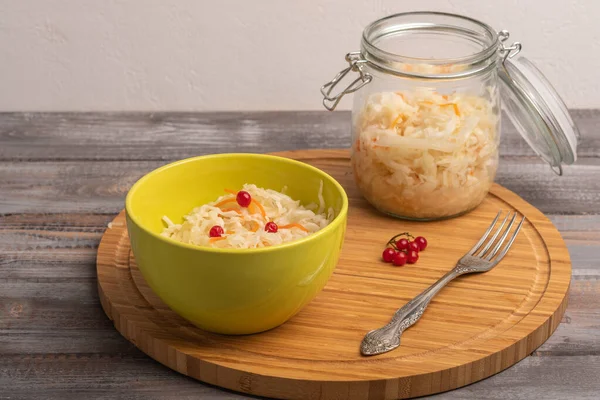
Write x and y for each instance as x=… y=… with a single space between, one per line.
x=171 y=136
x=534 y=378
x=165 y=136
x=97 y=187
x=68 y=316
x=59 y=340
x=72 y=377
x=63 y=246
x=100 y=187
x=77 y=376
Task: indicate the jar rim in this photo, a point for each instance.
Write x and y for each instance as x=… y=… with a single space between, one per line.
x=382 y=58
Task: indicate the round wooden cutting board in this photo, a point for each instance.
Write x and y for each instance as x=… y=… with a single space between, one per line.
x=477 y=326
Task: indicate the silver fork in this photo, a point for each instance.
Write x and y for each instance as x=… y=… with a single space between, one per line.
x=484 y=256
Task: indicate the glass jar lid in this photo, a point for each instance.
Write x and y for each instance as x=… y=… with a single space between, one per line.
x=538 y=112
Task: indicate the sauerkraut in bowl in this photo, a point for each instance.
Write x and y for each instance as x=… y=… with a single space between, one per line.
x=231 y=290
x=269 y=218
x=419 y=154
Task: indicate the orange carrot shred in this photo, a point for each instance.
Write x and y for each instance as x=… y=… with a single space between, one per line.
x=260 y=208
x=219 y=204
x=216 y=239
x=456 y=110
x=295 y=225
x=256 y=226
x=396 y=121
x=229 y=232
x=231 y=191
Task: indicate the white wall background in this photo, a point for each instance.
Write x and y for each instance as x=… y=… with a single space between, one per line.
x=245 y=55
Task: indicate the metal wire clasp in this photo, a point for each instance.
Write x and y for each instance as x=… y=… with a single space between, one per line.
x=355 y=61
x=508 y=51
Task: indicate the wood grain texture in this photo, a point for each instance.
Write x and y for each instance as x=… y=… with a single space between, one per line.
x=54 y=346
x=173 y=136
x=39 y=252
x=117 y=377
x=100 y=187
x=112 y=377
x=478 y=326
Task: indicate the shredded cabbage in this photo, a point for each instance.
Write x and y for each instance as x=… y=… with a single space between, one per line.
x=245 y=227
x=424 y=155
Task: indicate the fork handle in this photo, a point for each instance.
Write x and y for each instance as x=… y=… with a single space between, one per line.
x=412 y=311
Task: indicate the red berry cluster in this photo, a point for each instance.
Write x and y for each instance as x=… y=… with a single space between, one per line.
x=404 y=250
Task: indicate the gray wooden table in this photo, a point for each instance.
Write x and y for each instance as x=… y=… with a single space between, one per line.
x=63 y=177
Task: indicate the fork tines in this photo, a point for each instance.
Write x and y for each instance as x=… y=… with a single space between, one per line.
x=492 y=250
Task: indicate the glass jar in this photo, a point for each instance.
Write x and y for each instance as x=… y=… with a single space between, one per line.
x=426 y=114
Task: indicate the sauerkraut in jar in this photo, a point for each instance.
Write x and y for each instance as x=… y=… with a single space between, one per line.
x=426 y=117
x=425 y=121
x=424 y=155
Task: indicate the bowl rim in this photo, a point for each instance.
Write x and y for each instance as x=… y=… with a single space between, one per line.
x=337 y=221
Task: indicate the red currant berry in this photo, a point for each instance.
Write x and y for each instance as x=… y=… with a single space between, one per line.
x=400 y=258
x=388 y=255
x=413 y=246
x=216 y=231
x=271 y=227
x=402 y=244
x=412 y=256
x=422 y=242
x=243 y=198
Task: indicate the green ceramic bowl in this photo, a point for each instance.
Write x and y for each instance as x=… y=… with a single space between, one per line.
x=232 y=291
